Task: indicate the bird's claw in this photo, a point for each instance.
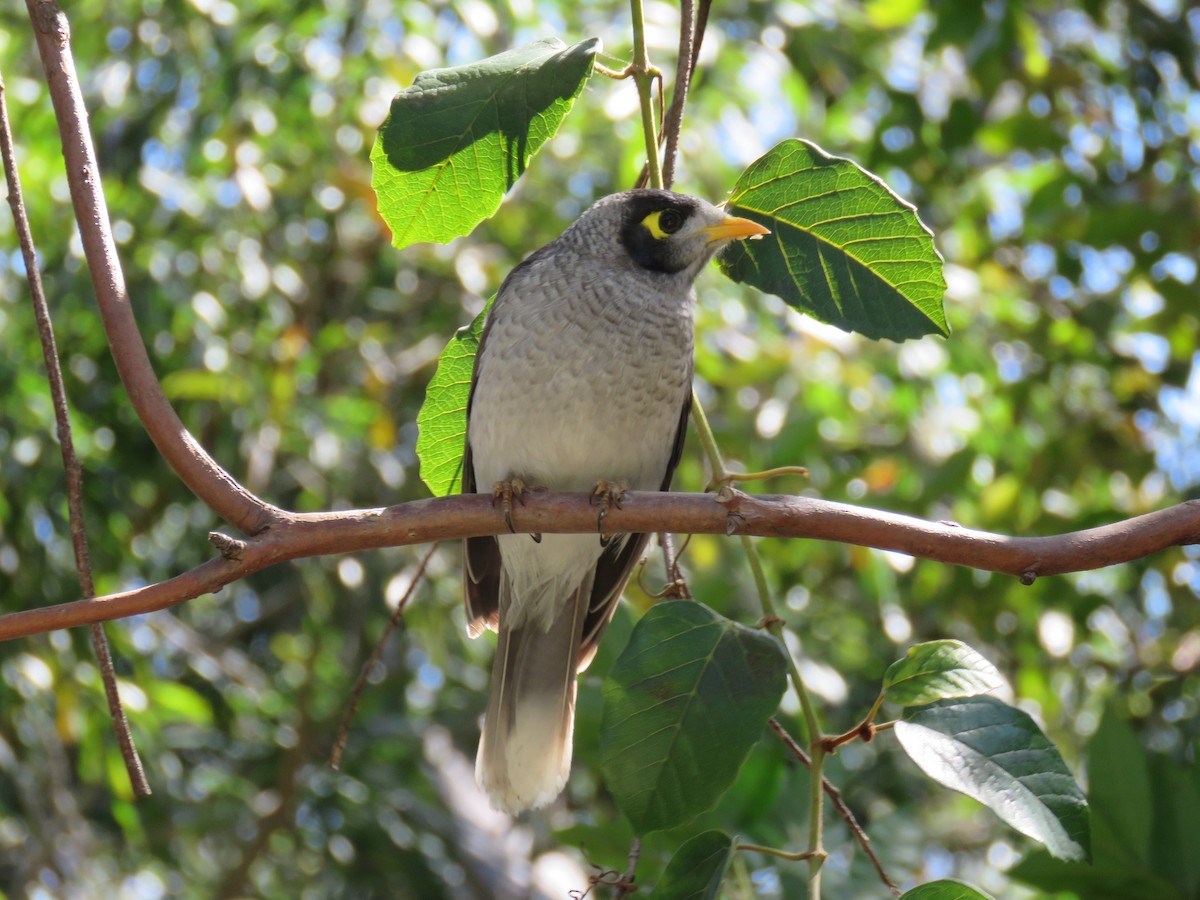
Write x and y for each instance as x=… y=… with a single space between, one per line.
x=505 y=492
x=605 y=495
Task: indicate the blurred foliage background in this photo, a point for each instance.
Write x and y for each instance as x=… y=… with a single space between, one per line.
x=1054 y=148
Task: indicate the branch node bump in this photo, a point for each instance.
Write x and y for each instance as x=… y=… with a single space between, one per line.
x=730 y=498
x=1028 y=577
x=231 y=548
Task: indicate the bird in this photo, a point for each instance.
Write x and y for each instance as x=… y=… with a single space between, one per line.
x=582 y=381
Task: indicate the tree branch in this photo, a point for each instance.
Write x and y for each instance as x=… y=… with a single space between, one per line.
x=72 y=468
x=297 y=535
x=673 y=120
x=199 y=471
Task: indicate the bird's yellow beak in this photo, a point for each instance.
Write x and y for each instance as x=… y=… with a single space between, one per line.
x=733 y=227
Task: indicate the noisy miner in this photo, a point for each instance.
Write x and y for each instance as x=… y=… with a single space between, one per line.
x=582 y=382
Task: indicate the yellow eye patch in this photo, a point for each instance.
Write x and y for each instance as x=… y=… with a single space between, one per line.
x=663 y=222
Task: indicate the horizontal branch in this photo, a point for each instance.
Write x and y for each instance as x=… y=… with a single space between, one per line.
x=297 y=535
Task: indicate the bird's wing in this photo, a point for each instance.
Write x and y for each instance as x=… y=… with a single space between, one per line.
x=481 y=555
x=617 y=562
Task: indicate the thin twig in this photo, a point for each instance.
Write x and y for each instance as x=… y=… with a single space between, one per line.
x=627 y=885
x=839 y=804
x=71 y=465
x=863 y=731
x=673 y=121
x=299 y=535
x=644 y=75
x=199 y=471
x=360 y=683
x=693 y=34
x=732 y=477
x=698 y=38
x=790 y=855
x=614 y=74
x=677 y=586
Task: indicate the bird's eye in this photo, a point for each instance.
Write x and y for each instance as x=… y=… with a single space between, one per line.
x=670 y=220
x=663 y=222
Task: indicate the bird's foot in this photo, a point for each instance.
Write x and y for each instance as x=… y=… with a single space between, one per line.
x=605 y=496
x=504 y=493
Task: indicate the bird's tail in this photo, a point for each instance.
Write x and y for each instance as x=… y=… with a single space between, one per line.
x=525 y=749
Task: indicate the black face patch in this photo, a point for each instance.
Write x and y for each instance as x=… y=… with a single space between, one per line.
x=658 y=254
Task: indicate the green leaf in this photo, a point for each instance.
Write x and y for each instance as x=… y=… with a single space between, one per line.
x=172 y=700
x=459 y=138
x=945 y=889
x=442 y=421
x=939 y=670
x=1145 y=811
x=1100 y=881
x=1119 y=794
x=996 y=754
x=842 y=247
x=696 y=869
x=685 y=702
x=1176 y=823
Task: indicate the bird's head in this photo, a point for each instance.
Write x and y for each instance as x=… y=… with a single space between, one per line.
x=665 y=232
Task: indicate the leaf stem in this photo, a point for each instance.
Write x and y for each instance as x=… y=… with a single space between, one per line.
x=614 y=74
x=707 y=441
x=794 y=856
x=731 y=477
x=644 y=75
x=864 y=730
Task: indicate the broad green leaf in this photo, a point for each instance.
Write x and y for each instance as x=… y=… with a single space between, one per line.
x=945 y=889
x=696 y=869
x=1145 y=811
x=996 y=754
x=842 y=247
x=685 y=702
x=457 y=140
x=939 y=670
x=1102 y=880
x=1119 y=793
x=442 y=421
x=1176 y=822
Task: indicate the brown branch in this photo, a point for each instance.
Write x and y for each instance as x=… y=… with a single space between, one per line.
x=686 y=63
x=71 y=465
x=839 y=804
x=299 y=535
x=199 y=471
x=676 y=587
x=692 y=25
x=628 y=884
